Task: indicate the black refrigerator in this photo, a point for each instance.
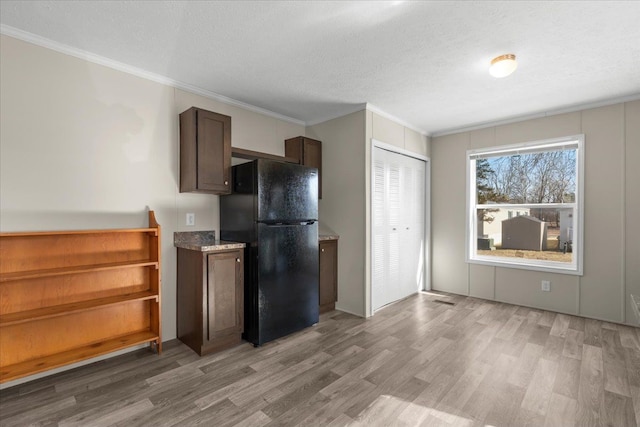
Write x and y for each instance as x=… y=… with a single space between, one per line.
x=273 y=208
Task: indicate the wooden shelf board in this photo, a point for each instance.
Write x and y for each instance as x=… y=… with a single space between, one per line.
x=153 y=231
x=252 y=155
x=75 y=307
x=34 y=274
x=30 y=367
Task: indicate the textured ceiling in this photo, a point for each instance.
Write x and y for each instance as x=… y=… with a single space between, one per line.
x=422 y=62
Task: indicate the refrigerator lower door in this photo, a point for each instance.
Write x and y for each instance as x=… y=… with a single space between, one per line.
x=287 y=280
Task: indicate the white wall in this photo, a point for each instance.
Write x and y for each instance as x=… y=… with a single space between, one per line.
x=84 y=146
x=611 y=248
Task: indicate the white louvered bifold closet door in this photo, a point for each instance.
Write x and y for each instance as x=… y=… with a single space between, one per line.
x=398 y=216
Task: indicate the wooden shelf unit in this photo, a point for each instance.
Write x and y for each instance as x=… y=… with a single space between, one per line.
x=73 y=270
x=67 y=296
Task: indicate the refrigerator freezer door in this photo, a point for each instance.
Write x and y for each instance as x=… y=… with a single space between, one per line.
x=286 y=191
x=287 y=282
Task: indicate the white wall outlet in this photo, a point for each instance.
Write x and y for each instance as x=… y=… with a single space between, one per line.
x=191 y=219
x=546 y=286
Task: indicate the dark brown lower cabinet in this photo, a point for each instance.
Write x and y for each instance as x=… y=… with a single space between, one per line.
x=210 y=299
x=328 y=275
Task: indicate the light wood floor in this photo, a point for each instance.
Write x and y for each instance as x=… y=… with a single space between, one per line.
x=417 y=362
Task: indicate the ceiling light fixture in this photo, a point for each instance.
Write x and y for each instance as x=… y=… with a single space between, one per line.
x=503 y=65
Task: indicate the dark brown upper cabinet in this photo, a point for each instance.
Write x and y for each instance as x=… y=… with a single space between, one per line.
x=205 y=152
x=308 y=152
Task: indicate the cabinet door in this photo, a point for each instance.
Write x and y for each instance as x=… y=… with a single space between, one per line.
x=308 y=152
x=214 y=152
x=328 y=275
x=225 y=315
x=205 y=152
x=312 y=156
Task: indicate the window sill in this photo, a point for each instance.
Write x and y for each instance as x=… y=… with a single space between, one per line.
x=549 y=267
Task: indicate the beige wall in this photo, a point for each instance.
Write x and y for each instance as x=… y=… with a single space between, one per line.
x=84 y=146
x=448 y=269
x=343 y=197
x=632 y=206
x=388 y=131
x=612 y=137
x=345 y=207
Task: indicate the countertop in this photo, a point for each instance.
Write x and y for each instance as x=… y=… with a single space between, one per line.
x=322 y=237
x=203 y=241
x=326 y=233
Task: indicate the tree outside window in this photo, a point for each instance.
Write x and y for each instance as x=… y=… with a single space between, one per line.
x=525 y=205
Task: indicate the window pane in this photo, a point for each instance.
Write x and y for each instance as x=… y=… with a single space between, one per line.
x=524 y=205
x=544 y=234
x=542 y=177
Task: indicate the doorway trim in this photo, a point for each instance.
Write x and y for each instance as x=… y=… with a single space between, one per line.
x=427 y=213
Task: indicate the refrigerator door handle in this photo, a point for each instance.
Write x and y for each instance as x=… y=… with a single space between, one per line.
x=287 y=223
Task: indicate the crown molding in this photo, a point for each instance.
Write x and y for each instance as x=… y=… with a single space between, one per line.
x=343 y=112
x=119 y=66
x=370 y=107
x=125 y=68
x=555 y=112
x=386 y=115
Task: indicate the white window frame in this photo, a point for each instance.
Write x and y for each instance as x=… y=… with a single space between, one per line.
x=576 y=266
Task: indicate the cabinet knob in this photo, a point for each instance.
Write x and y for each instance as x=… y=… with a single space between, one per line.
x=237 y=259
x=322 y=249
x=226 y=183
x=394 y=229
